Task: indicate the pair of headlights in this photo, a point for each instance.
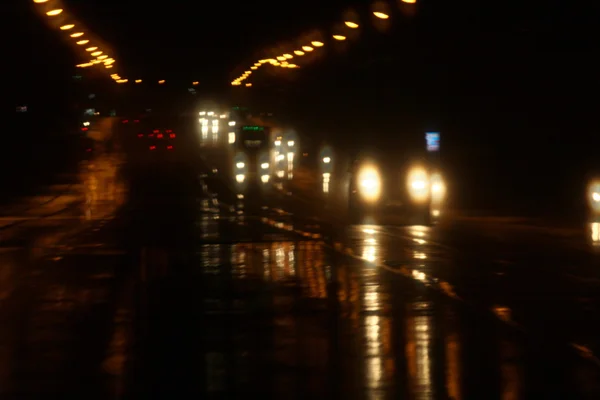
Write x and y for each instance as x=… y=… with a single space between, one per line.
x=242 y=165
x=421 y=185
x=240 y=176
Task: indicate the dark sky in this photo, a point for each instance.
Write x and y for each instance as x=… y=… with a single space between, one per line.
x=512 y=85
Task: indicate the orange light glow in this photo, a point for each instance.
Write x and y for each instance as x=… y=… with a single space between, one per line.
x=52 y=13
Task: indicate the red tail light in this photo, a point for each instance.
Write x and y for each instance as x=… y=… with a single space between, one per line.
x=84 y=129
x=159 y=136
x=172 y=135
x=151 y=135
x=155 y=131
x=169 y=130
x=88 y=150
x=169 y=147
x=136 y=120
x=140 y=135
x=125 y=121
x=152 y=147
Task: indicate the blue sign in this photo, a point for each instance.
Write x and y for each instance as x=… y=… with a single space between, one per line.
x=433 y=141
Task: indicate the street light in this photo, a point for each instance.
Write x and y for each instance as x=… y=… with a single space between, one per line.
x=351 y=24
x=96 y=53
x=380 y=15
x=339 y=37
x=67 y=27
x=307 y=48
x=76 y=34
x=91 y=49
x=54 y=12
x=298 y=52
x=316 y=43
x=82 y=42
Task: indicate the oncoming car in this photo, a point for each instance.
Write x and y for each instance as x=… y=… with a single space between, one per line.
x=387 y=191
x=252 y=161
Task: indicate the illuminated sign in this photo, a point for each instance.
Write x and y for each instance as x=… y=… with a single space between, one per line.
x=253 y=128
x=433 y=141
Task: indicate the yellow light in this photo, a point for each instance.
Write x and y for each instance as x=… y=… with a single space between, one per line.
x=339 y=37
x=380 y=15
x=409 y=1
x=77 y=34
x=255 y=68
x=123 y=80
x=138 y=81
x=351 y=24
x=67 y=27
x=369 y=183
x=247 y=72
x=96 y=61
x=161 y=81
x=196 y=83
x=82 y=42
x=52 y=13
x=281 y=58
x=288 y=56
x=40 y=1
x=248 y=84
x=108 y=66
x=298 y=52
x=103 y=57
x=91 y=49
x=109 y=61
x=317 y=44
x=307 y=48
x=85 y=65
x=291 y=66
x=96 y=53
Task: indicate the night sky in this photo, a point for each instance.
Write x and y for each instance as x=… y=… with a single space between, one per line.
x=512 y=87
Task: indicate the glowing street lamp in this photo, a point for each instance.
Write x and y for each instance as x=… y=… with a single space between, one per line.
x=351 y=24
x=54 y=12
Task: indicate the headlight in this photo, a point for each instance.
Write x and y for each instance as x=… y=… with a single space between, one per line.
x=239 y=178
x=326 y=160
x=418 y=184
x=264 y=178
x=438 y=188
x=369 y=183
x=593 y=195
x=264 y=165
x=240 y=165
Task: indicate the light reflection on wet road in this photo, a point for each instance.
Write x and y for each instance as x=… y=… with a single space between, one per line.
x=179 y=293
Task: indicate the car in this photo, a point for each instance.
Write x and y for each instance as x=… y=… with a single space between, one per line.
x=389 y=190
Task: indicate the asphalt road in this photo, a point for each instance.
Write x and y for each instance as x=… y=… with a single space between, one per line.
x=168 y=285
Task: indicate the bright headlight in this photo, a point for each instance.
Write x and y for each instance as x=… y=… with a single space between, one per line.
x=240 y=165
x=369 y=183
x=264 y=165
x=418 y=184
x=264 y=178
x=438 y=187
x=240 y=178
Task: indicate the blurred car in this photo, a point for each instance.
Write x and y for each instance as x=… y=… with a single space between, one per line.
x=389 y=190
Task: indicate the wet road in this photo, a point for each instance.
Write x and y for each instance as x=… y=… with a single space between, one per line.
x=159 y=285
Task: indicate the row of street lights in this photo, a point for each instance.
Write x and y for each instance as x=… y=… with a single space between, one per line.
x=94 y=52
x=380 y=10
